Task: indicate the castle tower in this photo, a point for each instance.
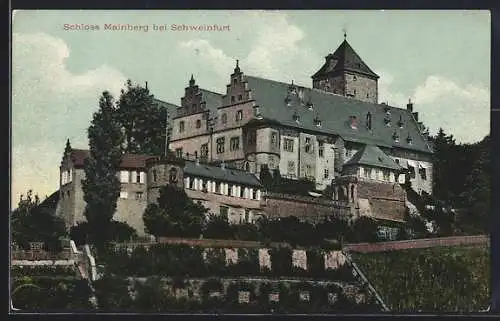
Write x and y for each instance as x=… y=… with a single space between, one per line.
x=344 y=73
x=162 y=171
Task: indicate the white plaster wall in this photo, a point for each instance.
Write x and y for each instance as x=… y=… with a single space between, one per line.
x=289 y=156
x=322 y=163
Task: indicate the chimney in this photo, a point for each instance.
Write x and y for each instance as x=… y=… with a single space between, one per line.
x=415 y=115
x=409 y=106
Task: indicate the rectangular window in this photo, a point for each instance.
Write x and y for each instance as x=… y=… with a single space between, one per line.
x=123 y=195
x=291 y=168
x=155 y=175
x=124 y=176
x=234 y=143
x=423 y=173
x=178 y=152
x=326 y=173
x=204 y=150
x=247 y=216
x=386 y=175
x=181 y=126
x=288 y=145
x=142 y=177
x=239 y=115
x=274 y=139
x=135 y=177
x=224 y=211
x=232 y=99
x=198 y=123
x=411 y=171
x=240 y=97
x=220 y=145
x=308 y=170
x=308 y=147
x=139 y=195
x=321 y=148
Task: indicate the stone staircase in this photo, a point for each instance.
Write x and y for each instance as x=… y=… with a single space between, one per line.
x=85 y=267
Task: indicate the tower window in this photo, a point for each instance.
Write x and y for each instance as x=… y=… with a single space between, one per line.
x=232 y=99
x=198 y=123
x=235 y=81
x=224 y=118
x=181 y=126
x=240 y=97
x=239 y=115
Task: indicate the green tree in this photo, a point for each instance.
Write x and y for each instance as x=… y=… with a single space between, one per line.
x=477 y=191
x=218 y=227
x=175 y=215
x=33 y=222
x=142 y=119
x=101 y=186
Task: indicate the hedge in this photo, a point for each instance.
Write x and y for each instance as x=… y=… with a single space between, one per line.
x=184 y=261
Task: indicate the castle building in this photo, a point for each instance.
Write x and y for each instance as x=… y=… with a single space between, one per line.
x=356 y=152
x=306 y=133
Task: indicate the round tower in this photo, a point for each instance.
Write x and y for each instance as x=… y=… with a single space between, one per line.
x=162 y=171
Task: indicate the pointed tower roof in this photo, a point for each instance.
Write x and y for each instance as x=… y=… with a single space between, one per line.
x=344 y=59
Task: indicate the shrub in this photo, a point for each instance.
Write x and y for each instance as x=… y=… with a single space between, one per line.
x=281 y=261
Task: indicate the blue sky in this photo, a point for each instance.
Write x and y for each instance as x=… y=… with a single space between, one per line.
x=439 y=59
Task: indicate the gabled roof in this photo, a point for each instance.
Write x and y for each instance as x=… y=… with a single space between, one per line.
x=129 y=161
x=344 y=59
x=334 y=113
x=373 y=156
x=220 y=174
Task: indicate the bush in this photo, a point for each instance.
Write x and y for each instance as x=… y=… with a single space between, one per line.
x=113 y=293
x=281 y=261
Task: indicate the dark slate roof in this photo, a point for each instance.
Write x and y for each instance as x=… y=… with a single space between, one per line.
x=372 y=156
x=212 y=99
x=334 y=112
x=50 y=202
x=171 y=108
x=344 y=59
x=217 y=173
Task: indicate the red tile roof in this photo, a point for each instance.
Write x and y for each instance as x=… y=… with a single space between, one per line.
x=129 y=161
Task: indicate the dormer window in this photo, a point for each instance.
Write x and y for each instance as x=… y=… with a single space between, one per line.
x=409 y=140
x=387 y=121
x=400 y=122
x=395 y=137
x=369 y=121
x=288 y=100
x=387 y=110
x=296 y=117
x=353 y=122
x=309 y=105
x=317 y=122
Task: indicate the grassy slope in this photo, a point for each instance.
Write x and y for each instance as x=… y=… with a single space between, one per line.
x=441 y=279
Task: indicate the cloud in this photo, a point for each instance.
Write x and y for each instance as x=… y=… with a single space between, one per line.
x=463 y=111
x=49 y=104
x=276 y=52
